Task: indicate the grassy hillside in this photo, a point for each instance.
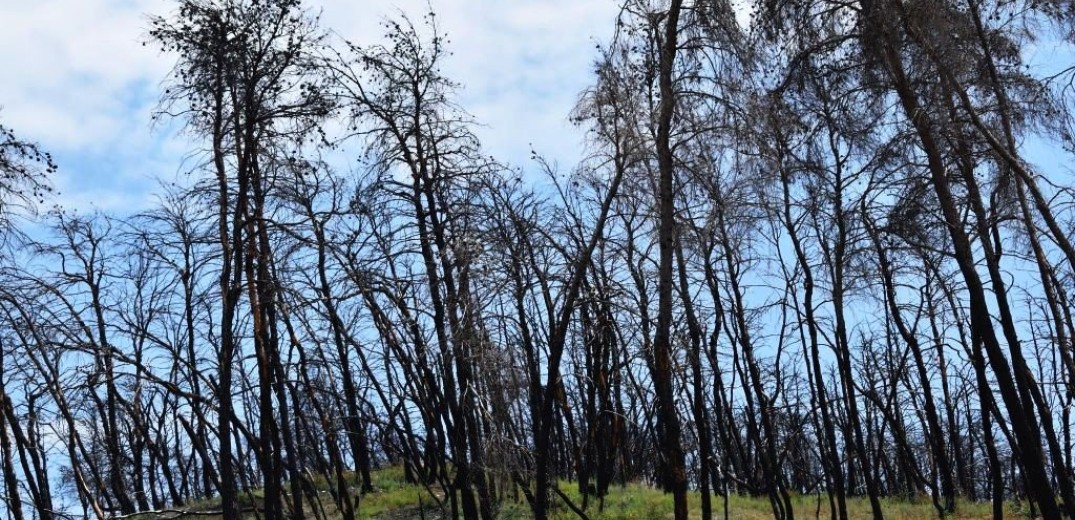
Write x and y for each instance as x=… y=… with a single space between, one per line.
x=394 y=499
x=637 y=502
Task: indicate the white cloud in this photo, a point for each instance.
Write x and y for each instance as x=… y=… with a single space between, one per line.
x=521 y=63
x=80 y=82
x=71 y=66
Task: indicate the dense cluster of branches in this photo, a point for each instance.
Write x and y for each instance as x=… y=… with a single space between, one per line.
x=805 y=254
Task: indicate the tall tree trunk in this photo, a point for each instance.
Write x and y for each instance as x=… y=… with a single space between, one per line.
x=663 y=377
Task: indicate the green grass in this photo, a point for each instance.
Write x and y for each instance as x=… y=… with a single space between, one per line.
x=392 y=497
x=639 y=502
x=395 y=499
x=391 y=494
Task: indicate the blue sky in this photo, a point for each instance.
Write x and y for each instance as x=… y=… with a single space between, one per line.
x=78 y=81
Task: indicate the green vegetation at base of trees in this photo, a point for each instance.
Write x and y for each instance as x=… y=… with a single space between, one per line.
x=393 y=498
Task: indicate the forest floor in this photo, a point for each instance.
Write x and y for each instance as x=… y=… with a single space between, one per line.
x=394 y=499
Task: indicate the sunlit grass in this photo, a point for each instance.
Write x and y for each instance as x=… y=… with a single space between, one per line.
x=395 y=499
x=639 y=502
x=393 y=493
